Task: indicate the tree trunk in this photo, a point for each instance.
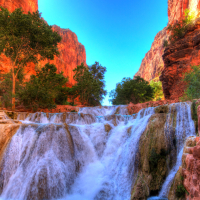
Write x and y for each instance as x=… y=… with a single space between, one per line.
x=13 y=89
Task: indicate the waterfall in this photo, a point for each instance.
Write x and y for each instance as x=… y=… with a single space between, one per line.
x=184 y=128
x=88 y=155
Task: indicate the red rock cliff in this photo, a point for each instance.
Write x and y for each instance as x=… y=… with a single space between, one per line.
x=178 y=58
x=152 y=64
x=26 y=5
x=72 y=53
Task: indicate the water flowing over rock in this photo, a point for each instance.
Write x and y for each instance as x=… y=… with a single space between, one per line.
x=94 y=154
x=73 y=155
x=72 y=53
x=160 y=150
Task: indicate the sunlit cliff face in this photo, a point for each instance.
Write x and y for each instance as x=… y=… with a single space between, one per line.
x=176 y=8
x=26 y=5
x=194 y=7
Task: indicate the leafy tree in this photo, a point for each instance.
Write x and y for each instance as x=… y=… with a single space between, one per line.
x=158 y=91
x=90 y=84
x=44 y=88
x=6 y=87
x=192 y=78
x=135 y=90
x=24 y=38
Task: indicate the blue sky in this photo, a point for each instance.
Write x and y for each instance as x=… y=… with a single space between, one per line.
x=115 y=33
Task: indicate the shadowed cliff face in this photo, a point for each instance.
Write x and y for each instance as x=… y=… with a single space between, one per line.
x=72 y=53
x=152 y=65
x=178 y=58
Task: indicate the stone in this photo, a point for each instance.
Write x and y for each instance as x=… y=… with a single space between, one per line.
x=152 y=65
x=196 y=152
x=178 y=59
x=72 y=53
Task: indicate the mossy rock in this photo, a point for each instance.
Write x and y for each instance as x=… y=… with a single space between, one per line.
x=162 y=109
x=178 y=180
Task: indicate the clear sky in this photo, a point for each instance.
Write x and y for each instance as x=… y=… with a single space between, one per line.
x=115 y=33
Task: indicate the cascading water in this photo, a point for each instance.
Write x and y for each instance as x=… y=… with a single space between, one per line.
x=73 y=156
x=184 y=128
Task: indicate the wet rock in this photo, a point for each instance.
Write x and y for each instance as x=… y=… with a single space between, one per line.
x=153 y=151
x=162 y=109
x=107 y=127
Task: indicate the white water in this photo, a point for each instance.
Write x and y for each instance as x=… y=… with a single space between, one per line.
x=184 y=128
x=48 y=159
x=84 y=161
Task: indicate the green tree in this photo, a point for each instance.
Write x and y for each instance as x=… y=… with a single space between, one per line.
x=158 y=91
x=24 y=38
x=90 y=84
x=135 y=90
x=192 y=79
x=44 y=88
x=6 y=87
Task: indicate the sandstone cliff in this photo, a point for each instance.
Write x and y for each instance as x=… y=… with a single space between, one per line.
x=178 y=58
x=26 y=5
x=72 y=53
x=152 y=64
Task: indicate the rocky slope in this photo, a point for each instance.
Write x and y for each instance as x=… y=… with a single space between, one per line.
x=152 y=64
x=72 y=53
x=178 y=58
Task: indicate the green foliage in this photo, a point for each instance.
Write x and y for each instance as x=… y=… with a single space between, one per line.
x=154 y=158
x=192 y=78
x=158 y=91
x=179 y=28
x=90 y=84
x=6 y=88
x=25 y=38
x=135 y=90
x=165 y=43
x=180 y=191
x=43 y=88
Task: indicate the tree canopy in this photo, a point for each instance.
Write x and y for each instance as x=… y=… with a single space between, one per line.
x=158 y=91
x=25 y=38
x=192 y=79
x=90 y=84
x=44 y=89
x=135 y=90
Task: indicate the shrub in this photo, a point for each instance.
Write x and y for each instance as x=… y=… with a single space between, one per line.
x=135 y=90
x=158 y=91
x=180 y=191
x=165 y=43
x=44 y=89
x=179 y=28
x=192 y=79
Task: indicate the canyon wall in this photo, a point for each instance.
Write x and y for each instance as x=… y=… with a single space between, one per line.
x=152 y=65
x=72 y=53
x=178 y=59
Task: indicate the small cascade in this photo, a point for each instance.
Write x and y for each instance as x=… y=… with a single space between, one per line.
x=90 y=155
x=73 y=156
x=184 y=128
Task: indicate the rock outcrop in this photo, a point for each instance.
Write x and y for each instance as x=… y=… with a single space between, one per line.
x=192 y=172
x=178 y=59
x=72 y=53
x=152 y=65
x=26 y=5
x=154 y=159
